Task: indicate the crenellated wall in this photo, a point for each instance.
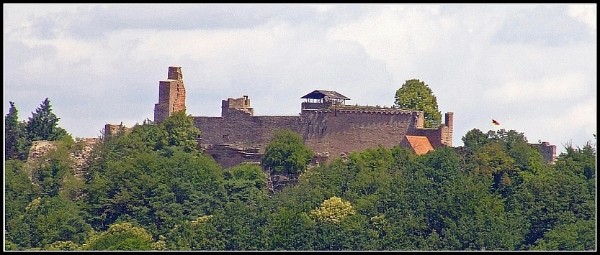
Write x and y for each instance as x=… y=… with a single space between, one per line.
x=327 y=131
x=343 y=131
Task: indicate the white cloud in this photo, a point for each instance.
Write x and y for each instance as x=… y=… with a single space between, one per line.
x=574 y=124
x=102 y=63
x=586 y=13
x=548 y=88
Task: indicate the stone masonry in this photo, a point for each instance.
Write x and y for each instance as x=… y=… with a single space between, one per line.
x=333 y=132
x=327 y=126
x=171 y=95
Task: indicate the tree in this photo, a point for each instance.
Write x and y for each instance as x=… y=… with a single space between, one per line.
x=245 y=182
x=416 y=95
x=290 y=230
x=47 y=220
x=121 y=237
x=62 y=246
x=43 y=124
x=15 y=142
x=18 y=192
x=50 y=171
x=576 y=236
x=475 y=139
x=286 y=152
x=333 y=210
x=181 y=131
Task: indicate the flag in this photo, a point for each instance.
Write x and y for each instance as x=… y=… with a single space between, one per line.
x=495 y=122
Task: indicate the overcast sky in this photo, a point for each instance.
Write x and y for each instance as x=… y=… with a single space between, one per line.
x=531 y=67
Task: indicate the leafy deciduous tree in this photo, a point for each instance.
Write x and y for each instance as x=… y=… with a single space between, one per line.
x=121 y=237
x=333 y=210
x=286 y=152
x=181 y=131
x=475 y=139
x=416 y=95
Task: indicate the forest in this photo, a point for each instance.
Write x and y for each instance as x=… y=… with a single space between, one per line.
x=152 y=189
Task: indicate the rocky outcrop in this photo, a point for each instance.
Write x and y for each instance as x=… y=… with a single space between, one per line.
x=78 y=154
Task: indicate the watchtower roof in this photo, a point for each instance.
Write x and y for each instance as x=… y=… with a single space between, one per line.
x=319 y=94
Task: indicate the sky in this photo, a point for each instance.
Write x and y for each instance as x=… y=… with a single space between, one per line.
x=531 y=67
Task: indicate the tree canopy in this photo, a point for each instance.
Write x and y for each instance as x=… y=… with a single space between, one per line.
x=416 y=95
x=16 y=142
x=286 y=152
x=153 y=189
x=43 y=124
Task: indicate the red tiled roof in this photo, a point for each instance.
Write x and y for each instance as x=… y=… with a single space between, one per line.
x=420 y=144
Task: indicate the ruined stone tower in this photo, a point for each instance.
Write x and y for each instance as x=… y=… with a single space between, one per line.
x=236 y=105
x=171 y=95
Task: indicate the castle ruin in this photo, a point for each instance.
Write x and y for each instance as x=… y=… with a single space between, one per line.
x=328 y=126
x=171 y=95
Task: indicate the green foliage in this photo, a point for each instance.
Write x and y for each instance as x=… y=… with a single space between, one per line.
x=62 y=246
x=552 y=198
x=492 y=160
x=155 y=189
x=50 y=171
x=286 y=152
x=242 y=226
x=120 y=237
x=43 y=124
x=143 y=177
x=151 y=189
x=581 y=161
x=475 y=139
x=245 y=182
x=416 y=95
x=199 y=234
x=333 y=210
x=291 y=230
x=181 y=131
x=16 y=143
x=10 y=246
x=578 y=236
x=18 y=192
x=48 y=220
x=350 y=233
x=236 y=227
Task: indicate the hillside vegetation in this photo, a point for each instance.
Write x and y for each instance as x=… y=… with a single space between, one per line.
x=151 y=189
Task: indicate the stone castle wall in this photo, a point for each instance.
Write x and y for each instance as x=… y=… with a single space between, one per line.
x=341 y=132
x=243 y=129
x=329 y=132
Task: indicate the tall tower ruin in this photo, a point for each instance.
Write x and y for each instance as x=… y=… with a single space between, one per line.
x=171 y=95
x=448 y=130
